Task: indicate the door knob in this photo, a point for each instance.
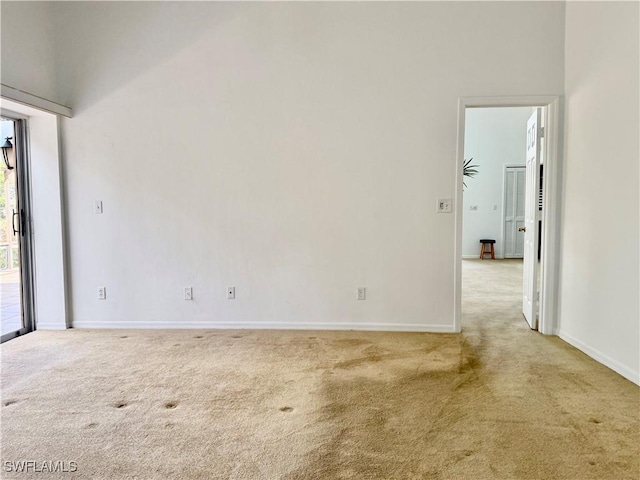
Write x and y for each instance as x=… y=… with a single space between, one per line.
x=522 y=229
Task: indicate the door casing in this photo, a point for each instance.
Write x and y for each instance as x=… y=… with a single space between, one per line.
x=549 y=294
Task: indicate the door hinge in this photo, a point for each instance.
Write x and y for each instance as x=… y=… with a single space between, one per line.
x=541 y=132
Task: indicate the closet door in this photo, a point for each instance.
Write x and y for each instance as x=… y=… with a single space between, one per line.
x=514 y=196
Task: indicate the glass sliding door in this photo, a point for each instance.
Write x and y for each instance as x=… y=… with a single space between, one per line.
x=16 y=312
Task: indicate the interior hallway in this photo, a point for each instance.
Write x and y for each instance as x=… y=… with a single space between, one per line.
x=497 y=401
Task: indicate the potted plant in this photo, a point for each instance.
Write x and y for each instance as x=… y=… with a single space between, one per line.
x=468 y=170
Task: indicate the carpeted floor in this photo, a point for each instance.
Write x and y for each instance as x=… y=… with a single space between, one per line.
x=497 y=401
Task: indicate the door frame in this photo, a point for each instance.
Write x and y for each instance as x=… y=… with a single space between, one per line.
x=51 y=296
x=549 y=269
x=23 y=187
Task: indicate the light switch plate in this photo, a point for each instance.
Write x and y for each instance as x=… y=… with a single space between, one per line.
x=444 y=205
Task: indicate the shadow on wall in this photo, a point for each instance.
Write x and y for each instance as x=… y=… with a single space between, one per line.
x=110 y=45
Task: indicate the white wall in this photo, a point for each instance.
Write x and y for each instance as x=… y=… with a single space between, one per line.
x=27 y=60
x=51 y=298
x=599 y=310
x=293 y=150
x=494 y=137
x=296 y=151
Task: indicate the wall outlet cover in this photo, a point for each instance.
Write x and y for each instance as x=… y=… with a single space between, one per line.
x=444 y=205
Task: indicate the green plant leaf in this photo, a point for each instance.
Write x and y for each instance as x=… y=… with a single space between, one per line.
x=469 y=170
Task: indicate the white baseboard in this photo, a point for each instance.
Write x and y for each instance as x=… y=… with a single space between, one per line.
x=50 y=326
x=626 y=372
x=477 y=257
x=378 y=327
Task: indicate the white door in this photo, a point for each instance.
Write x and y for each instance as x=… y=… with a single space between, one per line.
x=530 y=229
x=514 y=197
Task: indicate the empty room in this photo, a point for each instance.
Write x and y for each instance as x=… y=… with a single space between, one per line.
x=242 y=240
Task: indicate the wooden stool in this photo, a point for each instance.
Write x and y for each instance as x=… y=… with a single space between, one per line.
x=487 y=248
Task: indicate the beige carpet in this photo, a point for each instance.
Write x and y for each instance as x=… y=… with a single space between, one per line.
x=498 y=401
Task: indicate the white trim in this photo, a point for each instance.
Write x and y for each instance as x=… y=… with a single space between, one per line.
x=626 y=372
x=510 y=101
x=551 y=223
x=477 y=257
x=551 y=220
x=381 y=327
x=26 y=98
x=457 y=250
x=50 y=326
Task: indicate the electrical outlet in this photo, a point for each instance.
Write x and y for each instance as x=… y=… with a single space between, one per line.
x=362 y=293
x=102 y=293
x=97 y=207
x=231 y=293
x=188 y=293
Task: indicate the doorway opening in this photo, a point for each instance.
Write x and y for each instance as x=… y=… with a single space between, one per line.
x=511 y=202
x=16 y=266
